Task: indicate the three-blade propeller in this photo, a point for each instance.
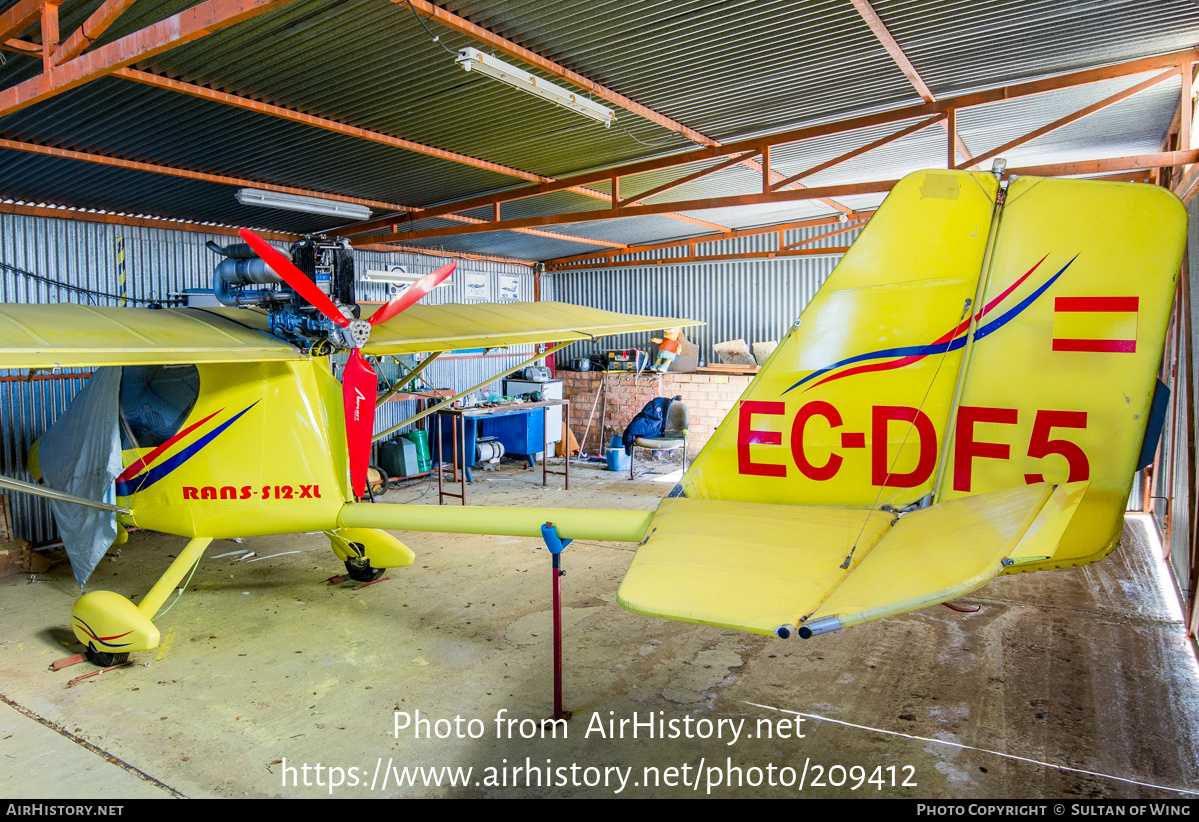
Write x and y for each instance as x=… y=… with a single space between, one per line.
x=358 y=382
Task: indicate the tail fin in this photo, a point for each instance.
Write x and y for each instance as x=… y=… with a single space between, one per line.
x=1027 y=323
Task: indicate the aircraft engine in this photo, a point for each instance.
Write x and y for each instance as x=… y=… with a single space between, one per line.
x=244 y=279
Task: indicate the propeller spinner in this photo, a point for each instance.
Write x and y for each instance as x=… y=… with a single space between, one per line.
x=358 y=381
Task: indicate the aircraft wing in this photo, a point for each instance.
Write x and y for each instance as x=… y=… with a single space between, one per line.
x=67 y=334
x=451 y=326
x=759 y=567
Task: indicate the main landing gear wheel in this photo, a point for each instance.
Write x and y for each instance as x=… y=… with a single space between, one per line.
x=105 y=659
x=360 y=570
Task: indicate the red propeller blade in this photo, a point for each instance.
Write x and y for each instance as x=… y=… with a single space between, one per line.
x=294 y=277
x=412 y=295
x=359 y=388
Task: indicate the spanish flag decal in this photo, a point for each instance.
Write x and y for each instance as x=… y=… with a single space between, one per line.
x=1098 y=324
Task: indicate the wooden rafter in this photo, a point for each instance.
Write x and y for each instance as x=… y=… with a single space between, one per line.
x=19 y=17
x=549 y=235
x=924 y=110
x=184 y=27
x=189 y=174
x=815 y=193
x=506 y=46
x=883 y=35
x=849 y=155
x=850 y=189
x=247 y=104
x=592 y=261
x=586 y=260
x=1061 y=122
x=690 y=178
x=108 y=218
x=95 y=25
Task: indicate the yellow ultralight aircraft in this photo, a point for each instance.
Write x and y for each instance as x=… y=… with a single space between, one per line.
x=966 y=396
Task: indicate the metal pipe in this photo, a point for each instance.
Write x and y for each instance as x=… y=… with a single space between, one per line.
x=61 y=496
x=407 y=379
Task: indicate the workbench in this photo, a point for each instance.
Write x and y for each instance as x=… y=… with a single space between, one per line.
x=520 y=428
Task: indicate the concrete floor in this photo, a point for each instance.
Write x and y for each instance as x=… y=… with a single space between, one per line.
x=264 y=668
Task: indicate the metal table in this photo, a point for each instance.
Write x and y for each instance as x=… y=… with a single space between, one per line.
x=458 y=418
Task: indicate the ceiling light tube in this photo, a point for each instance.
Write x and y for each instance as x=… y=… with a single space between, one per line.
x=307 y=205
x=475 y=60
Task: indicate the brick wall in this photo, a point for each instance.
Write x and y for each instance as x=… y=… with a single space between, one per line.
x=709 y=397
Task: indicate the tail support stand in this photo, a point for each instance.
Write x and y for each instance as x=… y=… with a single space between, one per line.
x=549 y=533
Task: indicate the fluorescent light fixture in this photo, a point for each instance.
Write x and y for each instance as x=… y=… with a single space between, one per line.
x=308 y=205
x=396 y=275
x=397 y=278
x=475 y=60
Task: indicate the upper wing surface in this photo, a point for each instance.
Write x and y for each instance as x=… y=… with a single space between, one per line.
x=67 y=334
x=451 y=326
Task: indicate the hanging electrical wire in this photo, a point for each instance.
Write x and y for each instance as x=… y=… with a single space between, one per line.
x=90 y=293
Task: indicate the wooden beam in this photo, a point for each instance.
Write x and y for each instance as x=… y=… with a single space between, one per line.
x=49 y=33
x=246 y=104
x=687 y=218
x=495 y=41
x=1165 y=158
x=823 y=236
x=184 y=27
x=21 y=46
x=549 y=235
x=583 y=260
x=189 y=174
x=849 y=155
x=951 y=130
x=19 y=17
x=639 y=210
x=1061 y=122
x=883 y=35
x=437 y=252
x=1012 y=92
x=703 y=172
x=850 y=189
x=1185 y=110
x=87 y=216
x=505 y=46
x=711 y=258
x=90 y=31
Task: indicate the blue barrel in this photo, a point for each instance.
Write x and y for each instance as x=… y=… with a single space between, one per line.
x=618 y=460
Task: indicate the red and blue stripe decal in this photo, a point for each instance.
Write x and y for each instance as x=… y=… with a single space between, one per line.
x=103 y=640
x=130 y=482
x=951 y=340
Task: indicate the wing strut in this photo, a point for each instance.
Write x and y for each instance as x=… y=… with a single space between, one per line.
x=49 y=493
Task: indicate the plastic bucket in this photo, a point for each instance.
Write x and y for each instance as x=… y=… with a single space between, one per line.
x=618 y=460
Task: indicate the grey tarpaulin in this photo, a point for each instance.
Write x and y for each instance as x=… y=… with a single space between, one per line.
x=81 y=454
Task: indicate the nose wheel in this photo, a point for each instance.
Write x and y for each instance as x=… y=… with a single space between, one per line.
x=360 y=570
x=105 y=659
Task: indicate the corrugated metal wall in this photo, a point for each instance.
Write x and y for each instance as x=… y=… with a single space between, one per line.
x=161 y=264
x=755 y=300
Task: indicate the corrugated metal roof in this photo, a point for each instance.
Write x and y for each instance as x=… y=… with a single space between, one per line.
x=729 y=70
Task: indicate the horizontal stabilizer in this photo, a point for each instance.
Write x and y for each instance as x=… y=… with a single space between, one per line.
x=744 y=565
x=773 y=568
